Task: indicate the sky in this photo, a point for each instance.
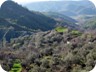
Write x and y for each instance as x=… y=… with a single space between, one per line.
x=28 y=1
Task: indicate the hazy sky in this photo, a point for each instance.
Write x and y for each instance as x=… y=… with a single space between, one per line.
x=27 y=1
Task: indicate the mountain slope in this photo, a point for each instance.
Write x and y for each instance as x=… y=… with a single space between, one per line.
x=59 y=16
x=90 y=23
x=9 y=30
x=18 y=21
x=24 y=17
x=63 y=20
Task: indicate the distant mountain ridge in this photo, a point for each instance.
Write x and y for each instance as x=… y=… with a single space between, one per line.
x=56 y=15
x=69 y=8
x=63 y=19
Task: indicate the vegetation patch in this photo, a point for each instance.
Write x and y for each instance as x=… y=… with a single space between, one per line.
x=76 y=32
x=16 y=67
x=61 y=29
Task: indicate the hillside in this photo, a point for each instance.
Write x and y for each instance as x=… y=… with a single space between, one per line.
x=24 y=17
x=51 y=51
x=59 y=16
x=63 y=20
x=17 y=21
x=70 y=8
x=9 y=30
x=90 y=23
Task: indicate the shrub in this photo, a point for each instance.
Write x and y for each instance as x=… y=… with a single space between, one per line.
x=16 y=67
x=76 y=32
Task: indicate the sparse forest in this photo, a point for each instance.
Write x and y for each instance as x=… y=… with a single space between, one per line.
x=52 y=51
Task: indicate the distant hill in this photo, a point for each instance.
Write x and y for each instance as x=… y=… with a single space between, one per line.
x=59 y=16
x=69 y=8
x=62 y=19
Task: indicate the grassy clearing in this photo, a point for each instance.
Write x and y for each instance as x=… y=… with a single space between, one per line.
x=61 y=29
